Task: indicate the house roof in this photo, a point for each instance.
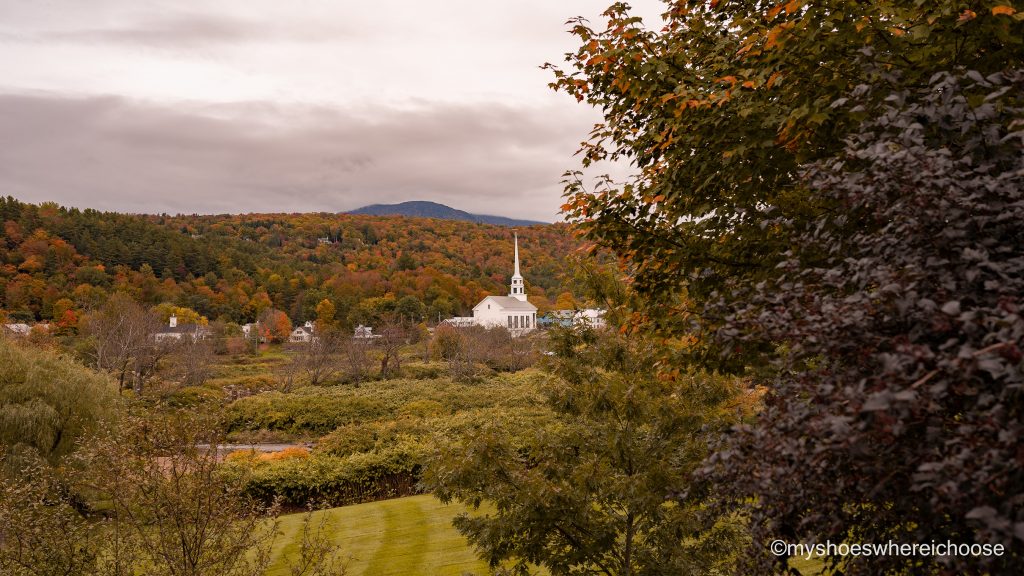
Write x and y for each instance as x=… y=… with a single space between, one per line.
x=183 y=329
x=509 y=303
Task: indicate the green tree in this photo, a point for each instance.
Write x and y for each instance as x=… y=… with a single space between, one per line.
x=410 y=309
x=47 y=402
x=600 y=490
x=171 y=500
x=48 y=405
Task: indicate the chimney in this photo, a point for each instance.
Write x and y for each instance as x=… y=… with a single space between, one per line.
x=174 y=321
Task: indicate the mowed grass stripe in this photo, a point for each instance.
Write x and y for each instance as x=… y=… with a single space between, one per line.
x=405 y=536
x=406 y=539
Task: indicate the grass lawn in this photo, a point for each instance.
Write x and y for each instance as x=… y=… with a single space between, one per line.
x=410 y=536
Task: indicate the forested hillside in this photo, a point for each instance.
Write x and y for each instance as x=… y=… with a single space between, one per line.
x=56 y=263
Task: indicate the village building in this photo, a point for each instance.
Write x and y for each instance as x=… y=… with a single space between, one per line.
x=514 y=311
x=459 y=321
x=175 y=331
x=364 y=332
x=302 y=334
x=591 y=317
x=251 y=331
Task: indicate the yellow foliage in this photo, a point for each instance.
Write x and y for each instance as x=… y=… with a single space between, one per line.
x=289 y=453
x=241 y=456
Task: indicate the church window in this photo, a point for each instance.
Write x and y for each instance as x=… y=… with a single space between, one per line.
x=510 y=322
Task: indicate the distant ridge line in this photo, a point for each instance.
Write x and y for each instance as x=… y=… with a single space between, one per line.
x=425 y=209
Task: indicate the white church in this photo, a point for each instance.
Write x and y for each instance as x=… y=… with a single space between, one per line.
x=513 y=311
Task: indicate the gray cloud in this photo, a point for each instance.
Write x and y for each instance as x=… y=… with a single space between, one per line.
x=178 y=31
x=115 y=154
x=182 y=32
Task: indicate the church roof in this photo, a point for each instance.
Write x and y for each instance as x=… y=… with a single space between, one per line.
x=509 y=303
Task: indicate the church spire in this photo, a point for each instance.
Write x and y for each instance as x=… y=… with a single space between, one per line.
x=517 y=289
x=516 y=273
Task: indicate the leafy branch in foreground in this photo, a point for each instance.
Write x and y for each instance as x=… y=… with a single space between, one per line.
x=719 y=107
x=897 y=410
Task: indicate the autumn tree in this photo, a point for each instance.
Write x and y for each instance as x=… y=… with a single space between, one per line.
x=275 y=326
x=828 y=199
x=718 y=108
x=356 y=358
x=288 y=375
x=462 y=349
x=565 y=301
x=325 y=311
x=183 y=315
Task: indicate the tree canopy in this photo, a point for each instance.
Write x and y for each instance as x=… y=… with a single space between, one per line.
x=719 y=108
x=598 y=491
x=828 y=200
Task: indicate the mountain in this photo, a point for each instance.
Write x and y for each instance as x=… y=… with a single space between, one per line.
x=425 y=209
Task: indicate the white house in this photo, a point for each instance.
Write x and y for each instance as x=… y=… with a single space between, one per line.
x=250 y=331
x=459 y=321
x=364 y=332
x=513 y=311
x=593 y=317
x=302 y=333
x=174 y=331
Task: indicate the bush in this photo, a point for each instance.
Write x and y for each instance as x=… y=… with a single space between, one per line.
x=332 y=481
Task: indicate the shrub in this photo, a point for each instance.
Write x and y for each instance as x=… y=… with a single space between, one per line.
x=332 y=480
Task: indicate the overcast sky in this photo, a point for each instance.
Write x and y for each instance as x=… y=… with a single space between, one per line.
x=229 y=106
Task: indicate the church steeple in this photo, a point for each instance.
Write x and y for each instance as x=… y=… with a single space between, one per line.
x=518 y=290
x=516 y=273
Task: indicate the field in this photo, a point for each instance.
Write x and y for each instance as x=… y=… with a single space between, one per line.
x=407 y=536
